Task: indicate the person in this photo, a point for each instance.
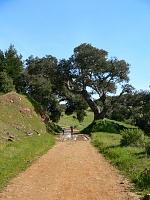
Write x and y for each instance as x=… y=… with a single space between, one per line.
x=63 y=130
x=62 y=134
x=71 y=128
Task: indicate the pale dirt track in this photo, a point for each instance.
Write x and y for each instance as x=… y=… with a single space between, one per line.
x=69 y=171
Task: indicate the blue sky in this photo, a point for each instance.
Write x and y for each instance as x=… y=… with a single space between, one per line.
x=121 y=27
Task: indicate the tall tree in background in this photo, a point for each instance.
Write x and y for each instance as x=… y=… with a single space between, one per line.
x=11 y=63
x=88 y=71
x=134 y=109
x=6 y=83
x=40 y=78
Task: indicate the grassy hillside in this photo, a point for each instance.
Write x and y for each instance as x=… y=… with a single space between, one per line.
x=18 y=117
x=70 y=120
x=106 y=125
x=23 y=135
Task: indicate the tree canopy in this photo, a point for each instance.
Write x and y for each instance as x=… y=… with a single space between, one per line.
x=89 y=71
x=11 y=66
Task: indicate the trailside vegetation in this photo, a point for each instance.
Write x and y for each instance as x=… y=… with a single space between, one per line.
x=23 y=135
x=130 y=156
x=87 y=72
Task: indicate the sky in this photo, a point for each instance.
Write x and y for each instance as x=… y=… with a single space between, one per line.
x=56 y=27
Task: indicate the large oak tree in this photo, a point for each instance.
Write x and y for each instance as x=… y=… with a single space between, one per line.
x=89 y=71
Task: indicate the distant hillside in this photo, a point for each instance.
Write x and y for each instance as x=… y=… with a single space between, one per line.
x=18 y=118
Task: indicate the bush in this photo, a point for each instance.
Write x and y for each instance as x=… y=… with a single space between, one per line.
x=6 y=83
x=132 y=137
x=144 y=179
x=104 y=126
x=147 y=144
x=53 y=128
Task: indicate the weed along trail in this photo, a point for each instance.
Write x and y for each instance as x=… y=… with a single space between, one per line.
x=71 y=170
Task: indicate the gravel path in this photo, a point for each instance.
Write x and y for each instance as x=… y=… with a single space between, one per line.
x=72 y=170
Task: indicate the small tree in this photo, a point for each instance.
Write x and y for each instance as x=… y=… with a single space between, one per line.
x=6 y=83
x=11 y=63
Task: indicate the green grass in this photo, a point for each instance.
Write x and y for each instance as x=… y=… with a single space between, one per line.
x=106 y=125
x=17 y=156
x=70 y=120
x=121 y=123
x=15 y=121
x=130 y=161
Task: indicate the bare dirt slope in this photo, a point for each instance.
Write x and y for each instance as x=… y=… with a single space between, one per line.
x=72 y=170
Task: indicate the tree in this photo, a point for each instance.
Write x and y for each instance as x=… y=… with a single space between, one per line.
x=76 y=104
x=11 y=63
x=6 y=83
x=141 y=110
x=1 y=61
x=88 y=71
x=40 y=79
x=134 y=109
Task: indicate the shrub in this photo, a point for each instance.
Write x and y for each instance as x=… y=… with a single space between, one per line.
x=6 y=83
x=144 y=179
x=132 y=137
x=53 y=128
x=147 y=144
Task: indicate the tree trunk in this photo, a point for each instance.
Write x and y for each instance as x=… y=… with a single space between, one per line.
x=100 y=115
x=94 y=107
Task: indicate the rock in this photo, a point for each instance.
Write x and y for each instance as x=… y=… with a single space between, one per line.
x=29 y=134
x=11 y=139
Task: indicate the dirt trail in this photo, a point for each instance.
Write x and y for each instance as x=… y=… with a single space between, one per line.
x=70 y=171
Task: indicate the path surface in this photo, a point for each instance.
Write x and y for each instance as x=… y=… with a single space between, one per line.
x=70 y=171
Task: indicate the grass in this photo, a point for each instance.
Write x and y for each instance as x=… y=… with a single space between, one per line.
x=122 y=124
x=15 y=120
x=70 y=120
x=106 y=125
x=130 y=161
x=17 y=156
x=18 y=118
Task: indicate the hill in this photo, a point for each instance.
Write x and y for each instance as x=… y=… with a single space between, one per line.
x=23 y=135
x=19 y=118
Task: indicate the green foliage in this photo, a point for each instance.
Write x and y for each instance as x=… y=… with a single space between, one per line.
x=133 y=108
x=6 y=83
x=53 y=128
x=11 y=63
x=71 y=120
x=76 y=104
x=147 y=145
x=106 y=125
x=144 y=179
x=89 y=68
x=21 y=120
x=41 y=84
x=131 y=161
x=131 y=137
